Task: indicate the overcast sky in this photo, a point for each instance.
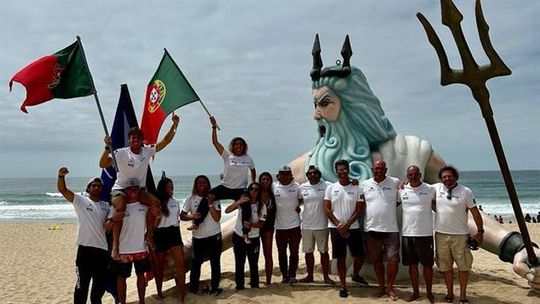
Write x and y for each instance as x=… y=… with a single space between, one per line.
x=249 y=61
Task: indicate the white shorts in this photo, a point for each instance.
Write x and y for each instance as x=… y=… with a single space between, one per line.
x=310 y=237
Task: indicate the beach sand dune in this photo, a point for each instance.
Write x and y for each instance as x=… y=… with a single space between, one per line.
x=38 y=263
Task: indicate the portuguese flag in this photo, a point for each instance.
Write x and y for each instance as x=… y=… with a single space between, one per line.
x=167 y=91
x=63 y=74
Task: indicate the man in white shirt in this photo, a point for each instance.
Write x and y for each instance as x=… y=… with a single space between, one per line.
x=288 y=234
x=132 y=162
x=380 y=196
x=92 y=255
x=132 y=244
x=417 y=199
x=315 y=224
x=343 y=207
x=451 y=232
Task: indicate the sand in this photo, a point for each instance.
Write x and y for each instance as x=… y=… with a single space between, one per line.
x=38 y=266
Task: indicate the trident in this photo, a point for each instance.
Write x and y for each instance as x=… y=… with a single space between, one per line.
x=475 y=77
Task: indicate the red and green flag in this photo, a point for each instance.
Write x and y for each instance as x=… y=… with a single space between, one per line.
x=167 y=91
x=63 y=74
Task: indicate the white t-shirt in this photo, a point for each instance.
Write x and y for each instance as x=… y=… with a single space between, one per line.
x=235 y=170
x=92 y=216
x=451 y=215
x=255 y=216
x=286 y=203
x=174 y=214
x=132 y=165
x=209 y=226
x=417 y=212
x=313 y=217
x=343 y=199
x=133 y=229
x=381 y=203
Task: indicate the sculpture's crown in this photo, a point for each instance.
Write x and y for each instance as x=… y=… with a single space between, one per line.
x=346 y=53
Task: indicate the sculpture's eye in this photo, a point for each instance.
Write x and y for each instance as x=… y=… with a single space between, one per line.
x=323 y=103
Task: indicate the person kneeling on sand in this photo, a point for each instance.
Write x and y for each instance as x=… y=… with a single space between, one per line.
x=132 y=245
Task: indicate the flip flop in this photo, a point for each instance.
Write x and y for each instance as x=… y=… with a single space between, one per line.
x=449 y=299
x=463 y=301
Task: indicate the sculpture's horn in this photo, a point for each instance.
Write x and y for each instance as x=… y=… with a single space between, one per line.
x=317 y=60
x=346 y=53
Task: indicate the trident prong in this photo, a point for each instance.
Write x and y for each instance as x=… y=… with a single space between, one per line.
x=317 y=60
x=475 y=77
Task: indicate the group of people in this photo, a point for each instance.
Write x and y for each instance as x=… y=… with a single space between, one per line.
x=359 y=217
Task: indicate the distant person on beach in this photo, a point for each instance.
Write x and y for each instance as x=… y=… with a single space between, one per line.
x=132 y=162
x=207 y=240
x=380 y=195
x=167 y=238
x=236 y=164
x=527 y=218
x=267 y=231
x=453 y=200
x=417 y=200
x=343 y=206
x=251 y=249
x=92 y=255
x=315 y=224
x=132 y=244
x=288 y=233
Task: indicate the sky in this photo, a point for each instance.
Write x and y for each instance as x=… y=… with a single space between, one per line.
x=249 y=61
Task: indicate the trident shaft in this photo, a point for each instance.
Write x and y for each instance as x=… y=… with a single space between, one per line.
x=475 y=77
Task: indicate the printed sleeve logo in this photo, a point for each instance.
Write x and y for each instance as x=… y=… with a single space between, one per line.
x=156 y=95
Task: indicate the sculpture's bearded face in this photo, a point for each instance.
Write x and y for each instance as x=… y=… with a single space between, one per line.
x=350 y=123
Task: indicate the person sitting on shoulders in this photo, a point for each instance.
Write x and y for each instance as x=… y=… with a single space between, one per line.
x=236 y=163
x=132 y=162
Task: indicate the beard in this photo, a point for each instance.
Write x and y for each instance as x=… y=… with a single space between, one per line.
x=339 y=141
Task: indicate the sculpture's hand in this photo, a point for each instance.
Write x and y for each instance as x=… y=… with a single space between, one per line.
x=532 y=274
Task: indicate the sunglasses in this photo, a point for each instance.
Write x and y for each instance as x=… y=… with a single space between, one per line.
x=449 y=196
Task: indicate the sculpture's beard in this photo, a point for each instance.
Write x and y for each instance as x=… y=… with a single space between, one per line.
x=337 y=141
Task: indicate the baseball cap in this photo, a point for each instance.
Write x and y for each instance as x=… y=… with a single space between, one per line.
x=92 y=180
x=284 y=169
x=132 y=182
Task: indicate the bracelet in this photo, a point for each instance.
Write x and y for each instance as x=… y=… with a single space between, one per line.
x=61 y=176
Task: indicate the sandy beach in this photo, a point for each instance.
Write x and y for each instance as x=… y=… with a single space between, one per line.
x=38 y=260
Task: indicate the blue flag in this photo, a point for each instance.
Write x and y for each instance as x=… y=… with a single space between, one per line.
x=123 y=120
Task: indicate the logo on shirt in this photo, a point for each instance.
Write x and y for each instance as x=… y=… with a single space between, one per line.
x=386 y=188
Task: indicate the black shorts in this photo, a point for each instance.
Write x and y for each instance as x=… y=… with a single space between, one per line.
x=124 y=269
x=355 y=242
x=417 y=249
x=167 y=237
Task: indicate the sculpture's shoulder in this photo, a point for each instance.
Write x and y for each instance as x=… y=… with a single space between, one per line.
x=403 y=151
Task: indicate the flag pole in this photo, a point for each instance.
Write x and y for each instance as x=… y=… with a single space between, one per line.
x=191 y=87
x=97 y=101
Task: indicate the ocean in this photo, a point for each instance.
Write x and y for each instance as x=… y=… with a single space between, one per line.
x=37 y=199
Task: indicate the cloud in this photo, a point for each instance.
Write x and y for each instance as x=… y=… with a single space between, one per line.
x=250 y=62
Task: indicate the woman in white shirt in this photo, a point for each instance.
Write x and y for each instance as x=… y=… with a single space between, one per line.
x=167 y=237
x=240 y=247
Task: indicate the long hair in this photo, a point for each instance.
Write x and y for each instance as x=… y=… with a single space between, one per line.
x=270 y=192
x=163 y=196
x=244 y=143
x=194 y=189
x=258 y=198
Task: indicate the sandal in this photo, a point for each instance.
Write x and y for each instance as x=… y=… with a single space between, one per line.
x=463 y=301
x=449 y=299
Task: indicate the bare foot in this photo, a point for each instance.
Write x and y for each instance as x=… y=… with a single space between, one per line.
x=307 y=279
x=392 y=294
x=413 y=297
